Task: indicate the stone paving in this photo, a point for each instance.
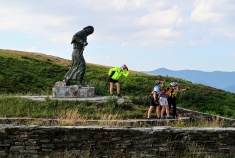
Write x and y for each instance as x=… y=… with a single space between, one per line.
x=96 y=98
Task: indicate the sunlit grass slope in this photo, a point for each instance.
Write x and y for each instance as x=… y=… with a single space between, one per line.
x=26 y=72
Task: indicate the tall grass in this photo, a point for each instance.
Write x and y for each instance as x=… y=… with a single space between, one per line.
x=211 y=122
x=193 y=150
x=73 y=111
x=12 y=106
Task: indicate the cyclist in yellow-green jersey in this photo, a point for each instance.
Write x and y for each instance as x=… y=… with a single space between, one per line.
x=114 y=75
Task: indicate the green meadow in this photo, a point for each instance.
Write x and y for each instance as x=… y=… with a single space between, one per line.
x=24 y=73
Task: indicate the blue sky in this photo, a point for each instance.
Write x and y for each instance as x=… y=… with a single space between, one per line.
x=143 y=34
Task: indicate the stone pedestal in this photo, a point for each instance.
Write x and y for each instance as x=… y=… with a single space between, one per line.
x=73 y=91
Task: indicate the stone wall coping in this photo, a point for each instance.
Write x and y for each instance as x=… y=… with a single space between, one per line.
x=206 y=114
x=155 y=128
x=95 y=98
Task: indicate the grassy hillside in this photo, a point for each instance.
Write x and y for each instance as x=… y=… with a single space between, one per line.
x=21 y=74
x=25 y=72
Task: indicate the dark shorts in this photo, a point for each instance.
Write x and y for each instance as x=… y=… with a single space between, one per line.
x=112 y=80
x=152 y=103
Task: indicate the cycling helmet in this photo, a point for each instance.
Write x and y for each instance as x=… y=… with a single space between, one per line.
x=173 y=84
x=157 y=82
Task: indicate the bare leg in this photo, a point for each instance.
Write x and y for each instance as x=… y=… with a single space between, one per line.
x=150 y=110
x=163 y=110
x=118 y=87
x=158 y=111
x=167 y=110
x=111 y=88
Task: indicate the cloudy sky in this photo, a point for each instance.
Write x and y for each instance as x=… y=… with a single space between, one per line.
x=143 y=34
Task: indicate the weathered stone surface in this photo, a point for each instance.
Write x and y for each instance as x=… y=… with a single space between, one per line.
x=59 y=84
x=33 y=147
x=48 y=145
x=73 y=91
x=17 y=148
x=4 y=145
x=113 y=141
x=19 y=143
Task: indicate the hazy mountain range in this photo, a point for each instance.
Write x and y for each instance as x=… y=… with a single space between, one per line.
x=216 y=79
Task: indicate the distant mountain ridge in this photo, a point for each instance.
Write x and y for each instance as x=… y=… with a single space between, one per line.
x=216 y=79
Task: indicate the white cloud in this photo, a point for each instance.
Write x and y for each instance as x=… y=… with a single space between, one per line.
x=216 y=11
x=207 y=11
x=122 y=21
x=21 y=18
x=115 y=20
x=167 y=33
x=61 y=37
x=158 y=36
x=232 y=54
x=203 y=41
x=31 y=49
x=161 y=17
x=213 y=20
x=226 y=33
x=14 y=17
x=102 y=59
x=124 y=44
x=98 y=57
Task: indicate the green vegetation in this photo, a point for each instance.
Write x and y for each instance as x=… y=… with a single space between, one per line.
x=214 y=122
x=72 y=111
x=36 y=74
x=21 y=107
x=20 y=74
x=209 y=100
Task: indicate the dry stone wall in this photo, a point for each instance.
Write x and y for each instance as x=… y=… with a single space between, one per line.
x=36 y=141
x=205 y=116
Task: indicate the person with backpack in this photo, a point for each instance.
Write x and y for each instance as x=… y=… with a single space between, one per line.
x=114 y=74
x=154 y=98
x=172 y=97
x=164 y=102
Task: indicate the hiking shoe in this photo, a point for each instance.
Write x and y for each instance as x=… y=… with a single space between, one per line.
x=149 y=118
x=159 y=117
x=162 y=117
x=119 y=96
x=168 y=117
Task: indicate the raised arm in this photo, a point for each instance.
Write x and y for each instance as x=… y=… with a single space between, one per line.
x=163 y=84
x=126 y=73
x=182 y=90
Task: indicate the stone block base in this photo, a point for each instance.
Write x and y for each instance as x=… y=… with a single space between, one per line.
x=73 y=91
